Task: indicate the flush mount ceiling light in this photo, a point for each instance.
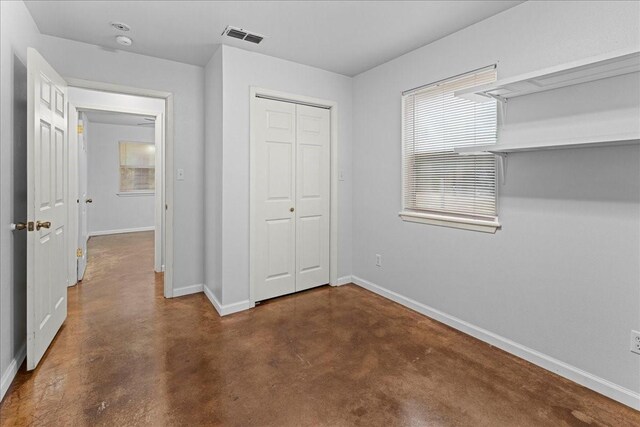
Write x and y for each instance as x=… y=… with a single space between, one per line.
x=120 y=26
x=242 y=34
x=124 y=40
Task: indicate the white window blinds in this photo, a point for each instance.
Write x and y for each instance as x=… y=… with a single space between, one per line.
x=436 y=179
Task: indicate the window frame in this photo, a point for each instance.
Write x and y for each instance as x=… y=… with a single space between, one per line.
x=488 y=225
x=134 y=193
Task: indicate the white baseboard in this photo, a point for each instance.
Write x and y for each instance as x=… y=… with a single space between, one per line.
x=10 y=373
x=586 y=379
x=120 y=231
x=225 y=310
x=344 y=280
x=187 y=290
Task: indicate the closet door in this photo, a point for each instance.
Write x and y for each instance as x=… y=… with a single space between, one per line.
x=312 y=196
x=274 y=173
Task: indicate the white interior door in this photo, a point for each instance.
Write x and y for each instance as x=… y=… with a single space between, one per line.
x=47 y=195
x=275 y=239
x=83 y=199
x=291 y=177
x=159 y=202
x=313 y=167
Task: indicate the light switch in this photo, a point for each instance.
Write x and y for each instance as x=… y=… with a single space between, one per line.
x=180 y=175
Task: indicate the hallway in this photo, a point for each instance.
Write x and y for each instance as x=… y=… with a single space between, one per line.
x=330 y=356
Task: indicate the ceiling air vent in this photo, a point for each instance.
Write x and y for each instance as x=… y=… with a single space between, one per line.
x=239 y=33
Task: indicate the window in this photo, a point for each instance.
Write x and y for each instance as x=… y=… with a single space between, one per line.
x=137 y=167
x=440 y=186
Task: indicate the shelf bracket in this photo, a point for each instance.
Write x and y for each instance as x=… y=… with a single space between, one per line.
x=502 y=166
x=502 y=106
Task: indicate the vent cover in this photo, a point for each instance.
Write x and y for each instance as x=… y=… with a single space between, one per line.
x=242 y=34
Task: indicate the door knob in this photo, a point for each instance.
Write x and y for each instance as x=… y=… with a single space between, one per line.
x=43 y=224
x=19 y=226
x=291 y=210
x=89 y=201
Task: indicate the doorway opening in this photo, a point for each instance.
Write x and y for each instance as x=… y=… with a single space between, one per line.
x=117 y=180
x=117 y=171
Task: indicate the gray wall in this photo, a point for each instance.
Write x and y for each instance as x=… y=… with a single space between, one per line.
x=562 y=276
x=213 y=174
x=15 y=24
x=109 y=211
x=241 y=70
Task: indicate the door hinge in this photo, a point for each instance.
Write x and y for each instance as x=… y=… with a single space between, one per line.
x=80 y=129
x=79 y=252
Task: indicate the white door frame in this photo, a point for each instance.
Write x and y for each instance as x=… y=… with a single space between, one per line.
x=164 y=164
x=332 y=106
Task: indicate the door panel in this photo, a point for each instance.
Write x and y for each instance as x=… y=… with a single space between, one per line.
x=309 y=243
x=274 y=196
x=279 y=164
x=312 y=196
x=47 y=194
x=278 y=236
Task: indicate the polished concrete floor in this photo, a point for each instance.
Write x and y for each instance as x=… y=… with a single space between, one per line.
x=329 y=356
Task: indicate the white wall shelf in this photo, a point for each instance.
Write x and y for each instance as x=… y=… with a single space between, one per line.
x=596 y=141
x=607 y=65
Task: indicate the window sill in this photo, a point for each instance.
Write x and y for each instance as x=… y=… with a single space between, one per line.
x=485 y=226
x=136 y=193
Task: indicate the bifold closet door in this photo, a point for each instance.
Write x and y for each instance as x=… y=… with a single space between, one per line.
x=291 y=167
x=312 y=196
x=275 y=198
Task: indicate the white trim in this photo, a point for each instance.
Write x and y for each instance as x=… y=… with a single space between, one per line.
x=120 y=231
x=225 y=310
x=486 y=226
x=344 y=280
x=577 y=375
x=188 y=290
x=115 y=109
x=116 y=88
x=10 y=373
x=255 y=92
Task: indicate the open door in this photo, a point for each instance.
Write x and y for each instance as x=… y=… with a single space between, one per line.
x=47 y=204
x=82 y=197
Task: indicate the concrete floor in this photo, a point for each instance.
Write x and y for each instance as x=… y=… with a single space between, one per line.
x=329 y=356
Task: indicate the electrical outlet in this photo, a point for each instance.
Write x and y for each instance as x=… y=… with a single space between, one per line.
x=379 y=260
x=635 y=342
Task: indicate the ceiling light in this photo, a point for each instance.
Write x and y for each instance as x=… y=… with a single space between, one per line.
x=120 y=26
x=124 y=40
